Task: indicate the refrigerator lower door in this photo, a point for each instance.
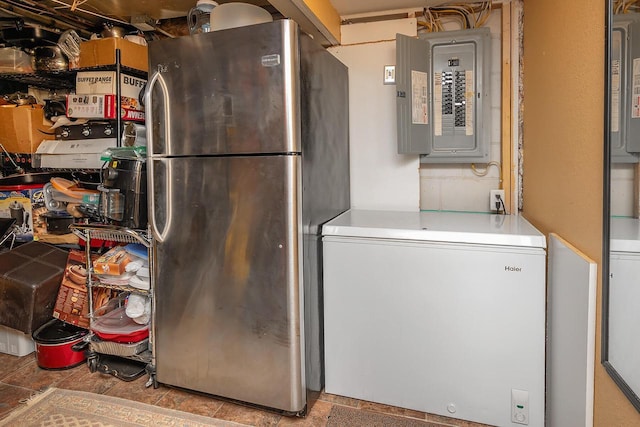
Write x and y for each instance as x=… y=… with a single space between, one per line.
x=228 y=314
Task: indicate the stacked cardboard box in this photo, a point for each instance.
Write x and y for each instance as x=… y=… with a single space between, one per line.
x=72 y=303
x=94 y=53
x=96 y=96
x=23 y=128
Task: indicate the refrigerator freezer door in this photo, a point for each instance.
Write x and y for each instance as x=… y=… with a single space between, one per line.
x=228 y=277
x=224 y=93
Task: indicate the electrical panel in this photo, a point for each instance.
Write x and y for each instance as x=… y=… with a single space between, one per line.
x=625 y=88
x=442 y=93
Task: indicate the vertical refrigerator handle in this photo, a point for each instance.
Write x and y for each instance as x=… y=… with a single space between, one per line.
x=157 y=79
x=163 y=198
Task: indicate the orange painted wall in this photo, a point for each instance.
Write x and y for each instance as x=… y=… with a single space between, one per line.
x=563 y=146
x=327 y=15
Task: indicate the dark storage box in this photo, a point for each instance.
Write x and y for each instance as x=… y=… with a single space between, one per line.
x=30 y=276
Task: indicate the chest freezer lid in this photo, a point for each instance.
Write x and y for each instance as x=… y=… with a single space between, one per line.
x=625 y=235
x=450 y=227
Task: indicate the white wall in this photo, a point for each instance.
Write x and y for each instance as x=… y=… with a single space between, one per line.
x=622 y=184
x=381 y=178
x=456 y=187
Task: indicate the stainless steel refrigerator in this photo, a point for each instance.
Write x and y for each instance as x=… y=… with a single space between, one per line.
x=247 y=157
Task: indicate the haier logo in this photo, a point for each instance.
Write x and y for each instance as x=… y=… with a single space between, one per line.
x=513 y=269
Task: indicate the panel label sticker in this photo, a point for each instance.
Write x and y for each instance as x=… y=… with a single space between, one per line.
x=437 y=104
x=470 y=98
x=616 y=54
x=615 y=95
x=635 y=94
x=419 y=106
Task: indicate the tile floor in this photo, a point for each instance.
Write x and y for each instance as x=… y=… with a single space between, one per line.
x=20 y=378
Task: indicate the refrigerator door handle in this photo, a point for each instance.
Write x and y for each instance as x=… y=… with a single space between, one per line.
x=148 y=104
x=159 y=235
x=157 y=79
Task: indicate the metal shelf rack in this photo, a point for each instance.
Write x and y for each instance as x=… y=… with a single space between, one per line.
x=63 y=79
x=87 y=232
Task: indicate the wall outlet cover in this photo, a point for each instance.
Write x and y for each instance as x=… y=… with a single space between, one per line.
x=495 y=196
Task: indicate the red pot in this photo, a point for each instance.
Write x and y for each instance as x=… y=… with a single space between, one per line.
x=55 y=341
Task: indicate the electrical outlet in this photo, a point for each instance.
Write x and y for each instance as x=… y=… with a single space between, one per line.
x=494 y=197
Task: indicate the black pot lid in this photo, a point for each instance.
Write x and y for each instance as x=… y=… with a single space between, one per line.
x=57 y=332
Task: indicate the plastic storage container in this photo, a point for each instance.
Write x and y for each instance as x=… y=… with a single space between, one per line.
x=13 y=60
x=232 y=15
x=15 y=342
x=117 y=327
x=199 y=17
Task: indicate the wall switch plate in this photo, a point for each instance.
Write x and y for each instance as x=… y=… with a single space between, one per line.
x=494 y=197
x=389 y=74
x=520 y=407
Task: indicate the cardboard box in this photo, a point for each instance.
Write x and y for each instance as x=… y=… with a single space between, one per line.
x=72 y=303
x=23 y=128
x=72 y=154
x=103 y=107
x=25 y=205
x=68 y=161
x=99 y=52
x=112 y=262
x=104 y=82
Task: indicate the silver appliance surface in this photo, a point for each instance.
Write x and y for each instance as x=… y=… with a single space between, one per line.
x=248 y=156
x=223 y=92
x=228 y=298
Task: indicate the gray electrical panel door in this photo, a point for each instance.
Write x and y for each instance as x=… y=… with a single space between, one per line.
x=625 y=92
x=633 y=68
x=412 y=96
x=618 y=94
x=455 y=67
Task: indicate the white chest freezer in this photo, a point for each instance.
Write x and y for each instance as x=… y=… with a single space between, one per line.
x=624 y=294
x=437 y=312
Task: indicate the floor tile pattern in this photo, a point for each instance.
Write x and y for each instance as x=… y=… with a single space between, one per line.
x=21 y=378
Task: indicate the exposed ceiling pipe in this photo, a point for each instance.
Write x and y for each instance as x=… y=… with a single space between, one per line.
x=58 y=16
x=17 y=22
x=163 y=32
x=43 y=11
x=39 y=20
x=88 y=12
